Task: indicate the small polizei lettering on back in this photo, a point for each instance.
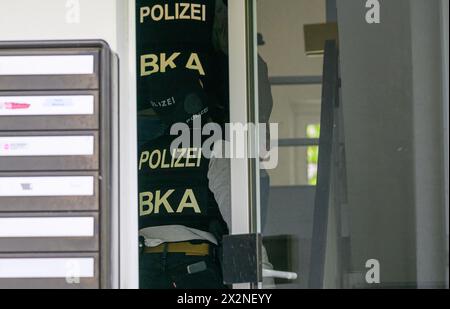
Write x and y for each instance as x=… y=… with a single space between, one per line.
x=163 y=103
x=176 y=11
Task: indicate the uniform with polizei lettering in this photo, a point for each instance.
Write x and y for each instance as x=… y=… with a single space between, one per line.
x=175 y=51
x=177 y=207
x=180 y=223
x=173 y=188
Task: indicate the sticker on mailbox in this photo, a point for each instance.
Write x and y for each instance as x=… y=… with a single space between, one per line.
x=31 y=146
x=46 y=105
x=56 y=227
x=46 y=186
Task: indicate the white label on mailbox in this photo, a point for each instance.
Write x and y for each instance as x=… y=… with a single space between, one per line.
x=47 y=105
x=46 y=186
x=47 y=65
x=46 y=227
x=45 y=268
x=30 y=146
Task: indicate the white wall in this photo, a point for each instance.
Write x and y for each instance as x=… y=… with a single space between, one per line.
x=55 y=19
x=391 y=88
x=376 y=98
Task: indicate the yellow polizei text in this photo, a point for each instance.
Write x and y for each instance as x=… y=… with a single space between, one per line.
x=177 y=11
x=163 y=159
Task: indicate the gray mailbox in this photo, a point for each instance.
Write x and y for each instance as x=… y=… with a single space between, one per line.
x=56 y=167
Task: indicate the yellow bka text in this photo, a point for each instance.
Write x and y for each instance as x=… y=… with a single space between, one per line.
x=154 y=203
x=152 y=63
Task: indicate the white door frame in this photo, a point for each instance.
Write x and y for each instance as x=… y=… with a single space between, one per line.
x=244 y=178
x=129 y=242
x=245 y=173
x=242 y=214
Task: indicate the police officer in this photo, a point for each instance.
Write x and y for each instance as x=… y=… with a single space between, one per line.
x=181 y=225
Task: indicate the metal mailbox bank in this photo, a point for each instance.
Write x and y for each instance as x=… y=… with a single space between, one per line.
x=56 y=103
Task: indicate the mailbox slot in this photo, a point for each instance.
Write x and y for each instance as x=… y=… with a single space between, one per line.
x=49 y=232
x=49 y=110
